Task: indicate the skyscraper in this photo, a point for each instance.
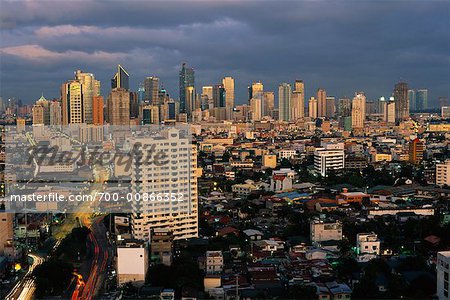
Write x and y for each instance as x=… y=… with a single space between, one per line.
x=118 y=106
x=90 y=88
x=219 y=95
x=412 y=100
x=72 y=102
x=358 y=110
x=97 y=110
x=389 y=111
x=149 y=178
x=284 y=101
x=228 y=84
x=254 y=89
x=256 y=108
x=55 y=113
x=401 y=101
x=298 y=100
x=151 y=88
x=321 y=103
x=190 y=100
x=187 y=78
x=121 y=79
x=345 y=107
x=268 y=104
x=41 y=111
x=330 y=106
x=312 y=108
x=421 y=99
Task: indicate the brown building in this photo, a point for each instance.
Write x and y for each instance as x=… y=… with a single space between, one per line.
x=321 y=103
x=401 y=101
x=6 y=230
x=119 y=107
x=97 y=110
x=416 y=150
x=162 y=245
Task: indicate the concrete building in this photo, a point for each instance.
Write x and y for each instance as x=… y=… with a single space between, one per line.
x=269 y=161
x=443 y=275
x=90 y=87
x=119 y=107
x=97 y=110
x=284 y=102
x=358 y=111
x=228 y=84
x=445 y=112
x=161 y=245
x=214 y=262
x=312 y=108
x=367 y=243
x=151 y=90
x=401 y=101
x=321 y=103
x=177 y=177
x=6 y=230
x=132 y=263
x=298 y=100
x=268 y=103
x=330 y=106
x=328 y=159
x=325 y=231
x=443 y=173
x=416 y=150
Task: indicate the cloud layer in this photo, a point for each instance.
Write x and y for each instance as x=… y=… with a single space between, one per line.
x=343 y=46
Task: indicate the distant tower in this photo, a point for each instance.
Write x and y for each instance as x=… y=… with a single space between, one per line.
x=118 y=106
x=421 y=99
x=284 y=101
x=255 y=89
x=312 y=108
x=151 y=87
x=90 y=88
x=358 y=110
x=121 y=79
x=321 y=103
x=401 y=101
x=187 y=78
x=228 y=84
x=298 y=100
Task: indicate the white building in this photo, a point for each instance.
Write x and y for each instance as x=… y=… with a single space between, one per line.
x=132 y=263
x=214 y=262
x=287 y=153
x=443 y=274
x=443 y=173
x=282 y=180
x=328 y=159
x=368 y=243
x=177 y=178
x=325 y=231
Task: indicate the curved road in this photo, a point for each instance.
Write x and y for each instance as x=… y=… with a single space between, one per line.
x=24 y=289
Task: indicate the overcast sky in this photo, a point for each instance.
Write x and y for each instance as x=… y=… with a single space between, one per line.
x=343 y=46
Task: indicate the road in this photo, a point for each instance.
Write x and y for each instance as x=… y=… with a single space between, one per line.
x=24 y=289
x=101 y=257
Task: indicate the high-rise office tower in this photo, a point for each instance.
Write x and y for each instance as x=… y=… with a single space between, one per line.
x=134 y=105
x=72 y=102
x=187 y=78
x=228 y=84
x=141 y=92
x=190 y=98
x=90 y=88
x=358 y=110
x=219 y=95
x=55 y=113
x=421 y=99
x=412 y=100
x=312 y=108
x=389 y=111
x=298 y=100
x=255 y=109
x=284 y=101
x=268 y=103
x=41 y=111
x=345 y=107
x=118 y=106
x=255 y=89
x=330 y=106
x=97 y=110
x=401 y=101
x=180 y=182
x=121 y=79
x=207 y=97
x=321 y=103
x=151 y=87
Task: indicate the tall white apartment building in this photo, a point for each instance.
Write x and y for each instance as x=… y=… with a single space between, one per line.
x=443 y=173
x=443 y=274
x=328 y=159
x=358 y=110
x=176 y=178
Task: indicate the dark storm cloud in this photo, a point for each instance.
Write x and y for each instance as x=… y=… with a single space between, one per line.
x=343 y=46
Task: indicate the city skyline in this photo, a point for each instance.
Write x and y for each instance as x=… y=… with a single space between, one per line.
x=371 y=51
